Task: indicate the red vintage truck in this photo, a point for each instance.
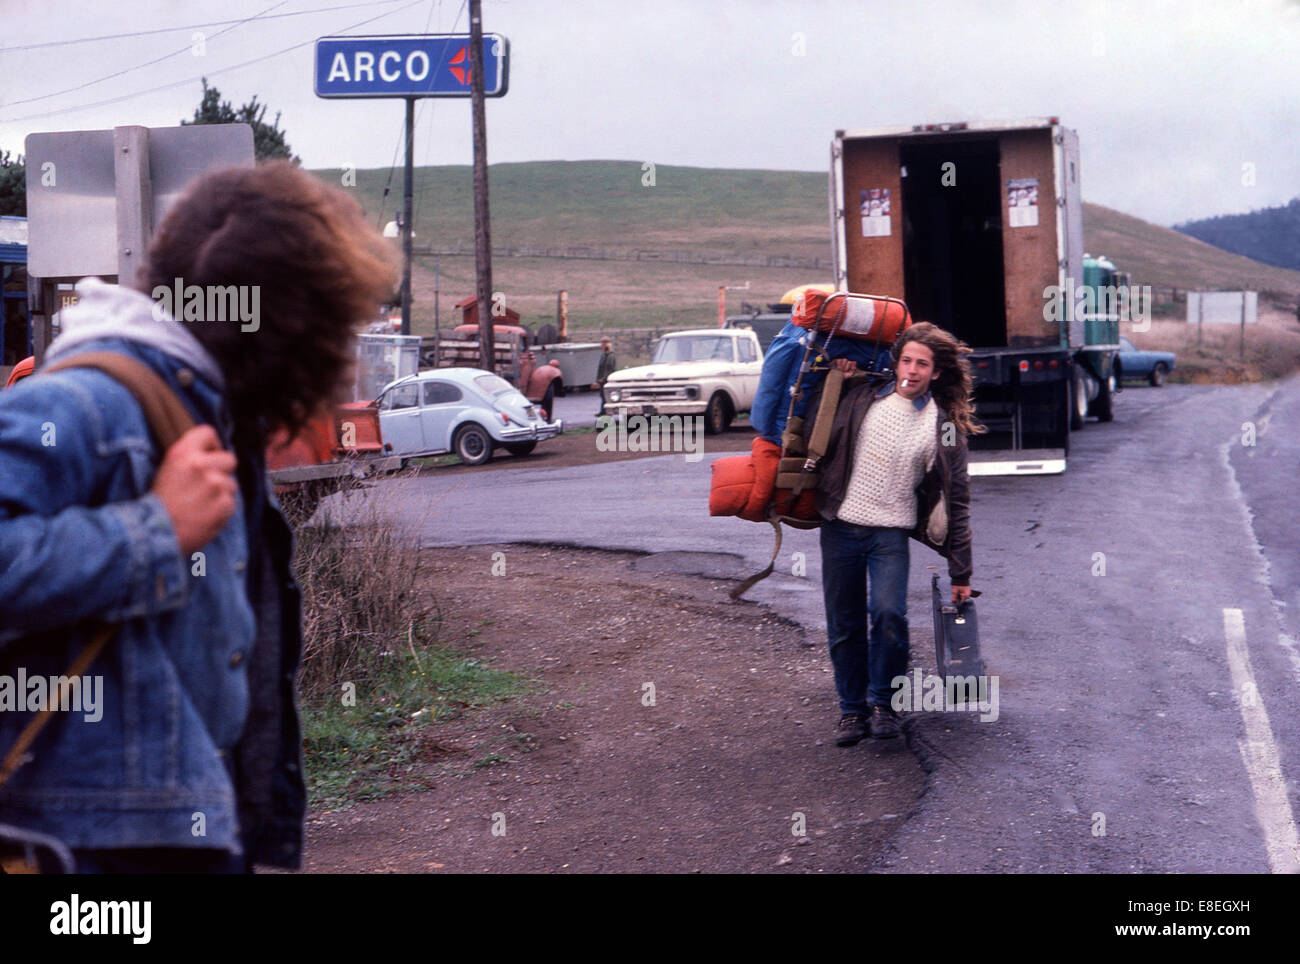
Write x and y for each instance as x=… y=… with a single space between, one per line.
x=335 y=451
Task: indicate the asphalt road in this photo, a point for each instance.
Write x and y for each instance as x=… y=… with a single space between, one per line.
x=1140 y=613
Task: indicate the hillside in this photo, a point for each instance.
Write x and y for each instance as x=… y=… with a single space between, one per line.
x=725 y=215
x=1270 y=235
x=1162 y=257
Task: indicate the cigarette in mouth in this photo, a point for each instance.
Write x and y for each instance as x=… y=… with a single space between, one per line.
x=906 y=382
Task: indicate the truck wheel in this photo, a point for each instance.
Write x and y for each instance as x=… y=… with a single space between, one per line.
x=717 y=419
x=1158 y=374
x=1078 y=399
x=520 y=448
x=1101 y=405
x=473 y=444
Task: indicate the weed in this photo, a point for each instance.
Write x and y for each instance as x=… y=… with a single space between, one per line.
x=368 y=748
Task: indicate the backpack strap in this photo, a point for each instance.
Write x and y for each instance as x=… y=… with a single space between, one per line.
x=821 y=433
x=745 y=586
x=168 y=420
x=17 y=754
x=167 y=416
x=796 y=474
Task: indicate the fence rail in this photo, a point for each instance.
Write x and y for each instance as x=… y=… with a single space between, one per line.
x=661 y=255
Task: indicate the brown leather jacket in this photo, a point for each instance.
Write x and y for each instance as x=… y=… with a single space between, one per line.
x=945 y=488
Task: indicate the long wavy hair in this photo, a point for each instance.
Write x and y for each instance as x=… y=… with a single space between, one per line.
x=952 y=386
x=322 y=271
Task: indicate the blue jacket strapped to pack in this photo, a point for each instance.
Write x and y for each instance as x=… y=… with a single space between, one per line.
x=780 y=371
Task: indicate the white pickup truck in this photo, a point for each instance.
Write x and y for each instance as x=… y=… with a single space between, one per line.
x=706 y=371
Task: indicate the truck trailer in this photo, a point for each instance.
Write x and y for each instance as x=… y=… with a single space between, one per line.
x=979 y=228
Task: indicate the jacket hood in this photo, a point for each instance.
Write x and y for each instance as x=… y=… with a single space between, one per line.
x=112 y=311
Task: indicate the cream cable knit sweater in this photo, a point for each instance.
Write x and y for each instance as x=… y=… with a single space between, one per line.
x=896 y=446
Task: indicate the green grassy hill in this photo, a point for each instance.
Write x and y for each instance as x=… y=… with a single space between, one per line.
x=1166 y=258
x=732 y=213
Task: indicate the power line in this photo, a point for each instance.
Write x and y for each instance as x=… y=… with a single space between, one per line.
x=190 y=80
x=398 y=146
x=147 y=63
x=419 y=114
x=432 y=104
x=193 y=26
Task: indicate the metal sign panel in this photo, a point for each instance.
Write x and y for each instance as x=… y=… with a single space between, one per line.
x=71 y=189
x=415 y=65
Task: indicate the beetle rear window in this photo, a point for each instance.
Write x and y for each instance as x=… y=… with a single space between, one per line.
x=492 y=385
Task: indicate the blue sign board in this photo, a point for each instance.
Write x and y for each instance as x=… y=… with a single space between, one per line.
x=416 y=65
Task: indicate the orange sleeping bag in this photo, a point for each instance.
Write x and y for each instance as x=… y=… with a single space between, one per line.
x=744 y=485
x=865 y=319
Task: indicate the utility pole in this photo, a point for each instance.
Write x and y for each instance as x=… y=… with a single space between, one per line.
x=1242 y=344
x=482 y=227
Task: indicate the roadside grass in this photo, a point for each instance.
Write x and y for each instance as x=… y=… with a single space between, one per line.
x=377 y=676
x=385 y=736
x=1272 y=349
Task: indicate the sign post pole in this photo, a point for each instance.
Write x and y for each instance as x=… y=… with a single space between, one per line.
x=1242 y=344
x=407 y=227
x=134 y=185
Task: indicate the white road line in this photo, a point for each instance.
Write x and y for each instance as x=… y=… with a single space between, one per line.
x=1259 y=754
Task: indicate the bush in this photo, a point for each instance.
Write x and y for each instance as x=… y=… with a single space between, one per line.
x=358 y=599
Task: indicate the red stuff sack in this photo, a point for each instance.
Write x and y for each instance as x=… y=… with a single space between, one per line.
x=745 y=486
x=865 y=319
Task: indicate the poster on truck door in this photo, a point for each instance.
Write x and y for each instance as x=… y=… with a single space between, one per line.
x=875 y=212
x=1022 y=202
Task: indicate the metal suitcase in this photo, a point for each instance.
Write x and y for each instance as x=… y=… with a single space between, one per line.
x=956 y=635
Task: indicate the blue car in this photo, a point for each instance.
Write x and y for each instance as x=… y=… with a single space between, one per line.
x=463 y=410
x=1151 y=365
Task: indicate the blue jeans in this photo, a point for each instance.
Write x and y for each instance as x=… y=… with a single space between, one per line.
x=864 y=578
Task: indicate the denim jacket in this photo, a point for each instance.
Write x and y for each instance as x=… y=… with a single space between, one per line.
x=205 y=644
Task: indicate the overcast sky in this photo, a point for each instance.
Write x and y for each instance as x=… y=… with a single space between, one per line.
x=1177 y=104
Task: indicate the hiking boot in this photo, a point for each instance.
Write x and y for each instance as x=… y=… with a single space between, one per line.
x=852 y=729
x=884 y=723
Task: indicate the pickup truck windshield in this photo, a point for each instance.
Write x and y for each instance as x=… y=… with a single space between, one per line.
x=689 y=348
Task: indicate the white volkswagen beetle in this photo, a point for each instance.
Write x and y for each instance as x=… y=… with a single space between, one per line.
x=463 y=410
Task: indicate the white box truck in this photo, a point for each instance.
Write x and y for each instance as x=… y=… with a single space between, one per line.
x=976 y=226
